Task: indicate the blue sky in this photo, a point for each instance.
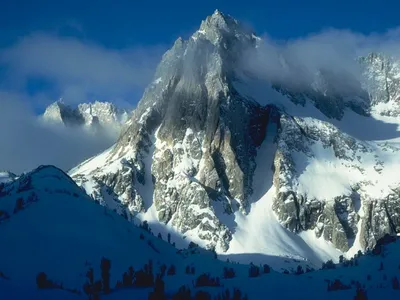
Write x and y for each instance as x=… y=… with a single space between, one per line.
x=107 y=50
x=125 y=23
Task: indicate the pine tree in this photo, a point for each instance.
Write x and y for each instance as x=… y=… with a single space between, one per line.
x=163 y=269
x=97 y=287
x=90 y=276
x=182 y=294
x=254 y=271
x=267 y=269
x=88 y=286
x=395 y=283
x=125 y=279
x=237 y=294
x=159 y=287
x=19 y=205
x=381 y=266
x=361 y=294
x=171 y=270
x=228 y=273
x=150 y=267
x=145 y=226
x=131 y=273
x=105 y=267
x=299 y=270
x=41 y=281
x=202 y=295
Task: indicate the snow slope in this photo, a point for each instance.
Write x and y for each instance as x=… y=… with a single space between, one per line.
x=260 y=232
x=62 y=232
x=331 y=158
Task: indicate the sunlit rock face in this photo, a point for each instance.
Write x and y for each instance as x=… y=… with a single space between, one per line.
x=188 y=155
x=93 y=116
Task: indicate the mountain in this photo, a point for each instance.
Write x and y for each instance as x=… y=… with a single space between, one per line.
x=49 y=224
x=6 y=176
x=50 y=227
x=244 y=164
x=91 y=115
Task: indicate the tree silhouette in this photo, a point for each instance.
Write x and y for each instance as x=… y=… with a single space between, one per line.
x=254 y=271
x=105 y=267
x=41 y=281
x=182 y=294
x=19 y=205
x=267 y=269
x=159 y=287
x=171 y=270
x=395 y=283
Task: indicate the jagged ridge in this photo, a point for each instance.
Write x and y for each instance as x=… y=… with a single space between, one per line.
x=188 y=157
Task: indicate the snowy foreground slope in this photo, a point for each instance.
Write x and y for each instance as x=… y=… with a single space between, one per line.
x=58 y=230
x=218 y=154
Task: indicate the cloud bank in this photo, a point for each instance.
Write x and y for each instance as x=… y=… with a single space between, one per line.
x=41 y=68
x=297 y=61
x=78 y=71
x=28 y=143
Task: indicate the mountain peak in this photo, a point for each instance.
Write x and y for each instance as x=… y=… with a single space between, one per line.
x=218 y=20
x=217 y=12
x=219 y=24
x=6 y=176
x=59 y=112
x=92 y=113
x=59 y=104
x=219 y=15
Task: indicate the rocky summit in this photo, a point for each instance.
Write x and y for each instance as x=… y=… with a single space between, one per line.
x=244 y=164
x=90 y=115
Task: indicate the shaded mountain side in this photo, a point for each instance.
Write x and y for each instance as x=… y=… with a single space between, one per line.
x=58 y=243
x=189 y=156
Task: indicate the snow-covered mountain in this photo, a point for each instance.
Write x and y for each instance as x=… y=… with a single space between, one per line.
x=6 y=176
x=90 y=115
x=55 y=239
x=49 y=224
x=246 y=165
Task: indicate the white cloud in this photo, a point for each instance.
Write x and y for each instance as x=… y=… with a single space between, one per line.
x=298 y=60
x=79 y=70
x=28 y=143
x=76 y=70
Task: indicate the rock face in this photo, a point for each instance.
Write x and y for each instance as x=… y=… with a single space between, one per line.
x=199 y=135
x=91 y=115
x=187 y=158
x=382 y=81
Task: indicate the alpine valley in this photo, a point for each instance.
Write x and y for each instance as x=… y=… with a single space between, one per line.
x=251 y=184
